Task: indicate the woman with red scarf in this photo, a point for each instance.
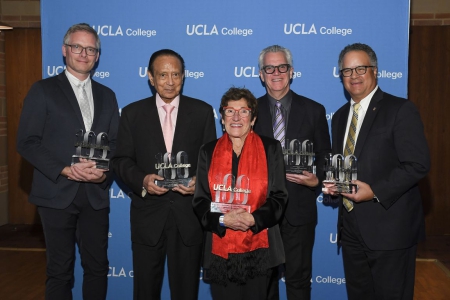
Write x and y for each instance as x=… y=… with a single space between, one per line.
x=239 y=199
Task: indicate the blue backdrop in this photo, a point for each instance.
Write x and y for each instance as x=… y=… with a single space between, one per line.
x=220 y=42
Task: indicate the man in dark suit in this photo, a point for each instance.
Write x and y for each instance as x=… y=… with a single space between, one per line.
x=382 y=220
x=72 y=200
x=304 y=119
x=163 y=223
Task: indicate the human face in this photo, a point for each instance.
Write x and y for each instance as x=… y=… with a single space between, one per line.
x=80 y=65
x=277 y=84
x=236 y=126
x=167 y=78
x=359 y=86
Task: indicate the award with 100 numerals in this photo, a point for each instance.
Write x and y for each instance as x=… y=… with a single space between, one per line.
x=92 y=147
x=230 y=193
x=174 y=169
x=341 y=171
x=299 y=156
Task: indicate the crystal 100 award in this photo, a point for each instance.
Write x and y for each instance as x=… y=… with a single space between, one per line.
x=341 y=171
x=174 y=169
x=230 y=193
x=299 y=157
x=92 y=147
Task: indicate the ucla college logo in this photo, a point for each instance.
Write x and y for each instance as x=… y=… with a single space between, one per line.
x=204 y=29
x=302 y=28
x=246 y=72
x=109 y=30
x=175 y=166
x=55 y=70
x=231 y=193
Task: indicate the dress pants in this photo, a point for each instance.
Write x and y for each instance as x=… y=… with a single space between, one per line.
x=375 y=275
x=78 y=223
x=183 y=264
x=298 y=242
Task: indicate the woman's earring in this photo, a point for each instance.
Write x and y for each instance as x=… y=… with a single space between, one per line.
x=223 y=127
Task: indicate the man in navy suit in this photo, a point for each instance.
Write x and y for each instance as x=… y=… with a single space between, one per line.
x=382 y=220
x=304 y=119
x=72 y=199
x=163 y=223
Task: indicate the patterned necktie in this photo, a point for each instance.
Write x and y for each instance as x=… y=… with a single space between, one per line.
x=84 y=107
x=279 y=126
x=350 y=146
x=167 y=127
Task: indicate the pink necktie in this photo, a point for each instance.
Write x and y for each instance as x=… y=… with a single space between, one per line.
x=167 y=127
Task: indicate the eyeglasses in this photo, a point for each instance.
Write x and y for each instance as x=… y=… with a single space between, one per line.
x=230 y=111
x=77 y=49
x=360 y=70
x=283 y=68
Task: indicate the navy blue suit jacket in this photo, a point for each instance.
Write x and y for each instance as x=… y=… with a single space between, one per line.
x=50 y=118
x=393 y=156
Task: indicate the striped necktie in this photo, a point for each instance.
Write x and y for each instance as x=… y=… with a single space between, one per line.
x=279 y=126
x=350 y=146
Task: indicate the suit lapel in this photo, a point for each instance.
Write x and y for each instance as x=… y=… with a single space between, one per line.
x=371 y=113
x=296 y=117
x=183 y=121
x=341 y=125
x=264 y=114
x=66 y=87
x=97 y=103
x=153 y=125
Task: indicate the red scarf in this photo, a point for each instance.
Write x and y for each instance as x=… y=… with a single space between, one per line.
x=252 y=164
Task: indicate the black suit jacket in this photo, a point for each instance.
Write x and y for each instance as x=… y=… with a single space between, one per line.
x=49 y=121
x=307 y=121
x=140 y=139
x=267 y=216
x=393 y=156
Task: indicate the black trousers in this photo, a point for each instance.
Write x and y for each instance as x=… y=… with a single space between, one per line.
x=298 y=242
x=375 y=275
x=78 y=223
x=253 y=289
x=183 y=264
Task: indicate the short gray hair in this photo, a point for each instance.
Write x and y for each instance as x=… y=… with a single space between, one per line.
x=275 y=48
x=359 y=47
x=81 y=27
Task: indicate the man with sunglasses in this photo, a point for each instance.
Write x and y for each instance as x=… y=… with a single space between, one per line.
x=381 y=222
x=71 y=196
x=285 y=115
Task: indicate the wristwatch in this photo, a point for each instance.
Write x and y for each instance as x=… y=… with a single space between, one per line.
x=221 y=221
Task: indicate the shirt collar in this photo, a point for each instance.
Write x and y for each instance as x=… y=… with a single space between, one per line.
x=160 y=103
x=285 y=100
x=75 y=81
x=365 y=102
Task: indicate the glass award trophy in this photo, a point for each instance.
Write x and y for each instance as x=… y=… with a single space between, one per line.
x=299 y=157
x=230 y=193
x=174 y=169
x=341 y=171
x=92 y=147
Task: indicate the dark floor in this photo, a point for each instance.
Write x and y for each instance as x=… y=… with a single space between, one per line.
x=31 y=236
x=21 y=236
